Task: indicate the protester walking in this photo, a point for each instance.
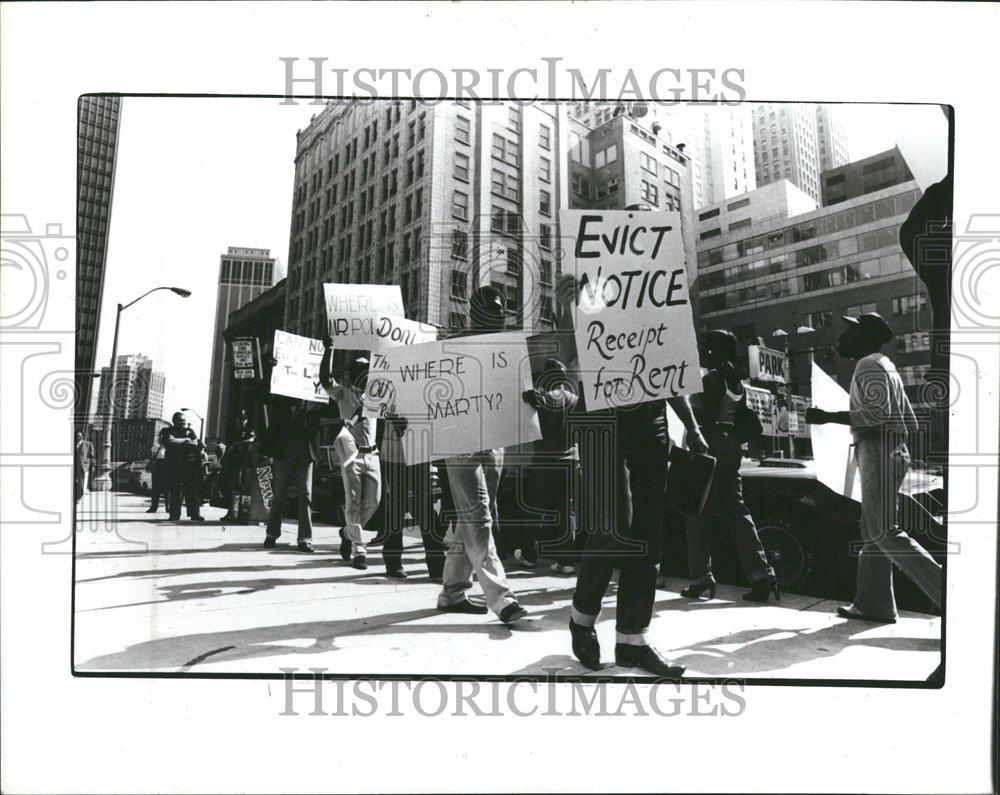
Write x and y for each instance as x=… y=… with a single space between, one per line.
x=882 y=423
x=718 y=409
x=473 y=480
x=360 y=468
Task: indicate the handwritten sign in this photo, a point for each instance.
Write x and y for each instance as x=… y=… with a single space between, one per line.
x=356 y=314
x=831 y=443
x=297 y=372
x=635 y=334
x=459 y=396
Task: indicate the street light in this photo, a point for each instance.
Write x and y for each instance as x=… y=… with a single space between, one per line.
x=201 y=428
x=103 y=481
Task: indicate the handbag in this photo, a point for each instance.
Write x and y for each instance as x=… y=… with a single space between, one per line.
x=689 y=480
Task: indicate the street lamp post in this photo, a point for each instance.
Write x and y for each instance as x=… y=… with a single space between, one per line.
x=103 y=481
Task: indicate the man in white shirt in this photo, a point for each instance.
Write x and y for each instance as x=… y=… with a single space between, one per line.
x=882 y=421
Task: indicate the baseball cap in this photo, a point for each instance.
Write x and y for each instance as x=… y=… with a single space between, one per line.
x=873 y=325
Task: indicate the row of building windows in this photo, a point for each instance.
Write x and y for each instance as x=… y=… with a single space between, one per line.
x=246 y=272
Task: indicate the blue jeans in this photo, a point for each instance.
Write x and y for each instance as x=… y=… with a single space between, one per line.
x=473 y=479
x=882 y=467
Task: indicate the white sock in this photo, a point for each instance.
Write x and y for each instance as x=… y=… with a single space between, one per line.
x=630 y=639
x=583 y=619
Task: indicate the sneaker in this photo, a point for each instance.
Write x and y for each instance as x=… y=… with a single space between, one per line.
x=466 y=606
x=512 y=612
x=360 y=562
x=270 y=543
x=305 y=546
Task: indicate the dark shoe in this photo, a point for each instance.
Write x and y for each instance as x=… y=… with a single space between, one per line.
x=270 y=543
x=647 y=658
x=465 y=606
x=379 y=539
x=151 y=510
x=360 y=562
x=696 y=588
x=850 y=612
x=345 y=545
x=762 y=589
x=175 y=518
x=512 y=612
x=196 y=518
x=586 y=647
x=227 y=517
x=305 y=546
x=437 y=578
x=396 y=572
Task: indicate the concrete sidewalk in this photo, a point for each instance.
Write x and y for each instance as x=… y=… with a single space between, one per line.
x=152 y=595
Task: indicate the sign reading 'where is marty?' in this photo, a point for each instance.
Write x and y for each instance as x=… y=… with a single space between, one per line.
x=634 y=329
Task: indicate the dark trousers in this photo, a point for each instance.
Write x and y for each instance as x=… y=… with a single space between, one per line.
x=296 y=465
x=161 y=484
x=183 y=482
x=553 y=490
x=408 y=490
x=635 y=555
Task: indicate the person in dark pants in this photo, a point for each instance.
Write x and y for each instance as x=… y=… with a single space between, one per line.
x=161 y=480
x=624 y=453
x=84 y=457
x=293 y=443
x=236 y=461
x=720 y=400
x=406 y=489
x=183 y=453
x=553 y=479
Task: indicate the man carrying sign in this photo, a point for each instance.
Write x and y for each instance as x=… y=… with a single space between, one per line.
x=360 y=468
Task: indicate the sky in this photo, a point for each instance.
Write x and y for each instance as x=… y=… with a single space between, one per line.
x=195 y=176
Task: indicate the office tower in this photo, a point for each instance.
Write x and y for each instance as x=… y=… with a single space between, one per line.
x=761 y=273
x=864 y=176
x=244 y=273
x=786 y=145
x=97 y=147
x=138 y=389
x=441 y=199
x=832 y=137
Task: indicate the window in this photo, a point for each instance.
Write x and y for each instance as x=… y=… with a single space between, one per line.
x=544 y=137
x=505 y=185
x=545 y=203
x=460 y=244
x=513 y=261
x=737 y=205
x=739 y=225
x=456 y=321
x=908 y=304
x=460 y=205
x=708 y=214
x=504 y=221
x=545 y=271
x=545 y=236
x=860 y=309
x=545 y=313
x=672 y=176
x=461 y=170
x=504 y=150
x=612 y=185
x=462 y=129
x=459 y=285
x=514 y=118
x=647 y=162
x=650 y=193
x=545 y=169
x=822 y=318
x=581 y=185
x=710 y=233
x=606 y=156
x=915 y=341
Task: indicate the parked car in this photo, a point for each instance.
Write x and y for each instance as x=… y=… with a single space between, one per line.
x=812 y=535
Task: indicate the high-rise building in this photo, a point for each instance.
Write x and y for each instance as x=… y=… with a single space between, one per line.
x=97 y=147
x=138 y=389
x=786 y=145
x=441 y=199
x=832 y=137
x=761 y=274
x=864 y=176
x=244 y=273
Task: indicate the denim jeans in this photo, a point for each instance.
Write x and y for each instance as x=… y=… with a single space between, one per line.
x=296 y=464
x=362 y=491
x=725 y=508
x=473 y=479
x=882 y=466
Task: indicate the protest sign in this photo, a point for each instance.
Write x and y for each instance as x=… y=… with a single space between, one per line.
x=831 y=443
x=261 y=490
x=369 y=316
x=296 y=373
x=634 y=330
x=458 y=396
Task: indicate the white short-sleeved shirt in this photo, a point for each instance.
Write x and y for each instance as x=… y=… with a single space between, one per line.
x=877 y=394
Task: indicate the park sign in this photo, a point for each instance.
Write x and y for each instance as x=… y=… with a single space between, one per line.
x=461 y=395
x=634 y=329
x=767 y=365
x=296 y=372
x=370 y=317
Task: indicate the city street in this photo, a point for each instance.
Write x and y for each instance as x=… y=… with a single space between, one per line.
x=196 y=597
